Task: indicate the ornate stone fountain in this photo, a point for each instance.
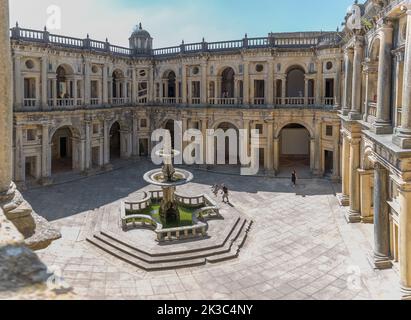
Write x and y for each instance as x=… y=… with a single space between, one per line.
x=168 y=178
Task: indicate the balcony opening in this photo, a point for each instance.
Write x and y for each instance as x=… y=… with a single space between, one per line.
x=296 y=85
x=170 y=86
x=329 y=91
x=227 y=83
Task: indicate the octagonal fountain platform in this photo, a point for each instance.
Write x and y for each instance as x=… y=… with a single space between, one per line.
x=160 y=229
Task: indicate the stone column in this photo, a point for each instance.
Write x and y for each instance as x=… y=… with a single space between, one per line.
x=319 y=84
x=183 y=85
x=405 y=240
x=75 y=96
x=270 y=146
x=204 y=125
x=345 y=175
x=348 y=60
x=45 y=155
x=381 y=256
x=19 y=156
x=276 y=154
x=312 y=155
x=105 y=85
x=336 y=160
x=366 y=185
x=337 y=91
x=354 y=215
x=6 y=111
x=134 y=86
x=403 y=135
x=87 y=149
x=270 y=84
x=18 y=83
x=355 y=113
x=87 y=84
x=383 y=124
x=135 y=153
x=44 y=79
x=204 y=83
x=246 y=84
x=306 y=92
x=106 y=133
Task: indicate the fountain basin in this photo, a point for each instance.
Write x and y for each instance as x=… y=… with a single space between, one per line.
x=180 y=178
x=194 y=212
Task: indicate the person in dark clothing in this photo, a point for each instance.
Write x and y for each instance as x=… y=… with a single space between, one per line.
x=225 y=195
x=294 y=178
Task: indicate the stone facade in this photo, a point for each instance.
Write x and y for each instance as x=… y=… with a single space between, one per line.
x=375 y=131
x=80 y=103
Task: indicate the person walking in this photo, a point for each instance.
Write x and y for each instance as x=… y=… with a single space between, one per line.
x=225 y=194
x=294 y=178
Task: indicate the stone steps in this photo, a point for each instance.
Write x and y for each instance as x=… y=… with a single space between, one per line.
x=228 y=249
x=235 y=229
x=236 y=246
x=144 y=265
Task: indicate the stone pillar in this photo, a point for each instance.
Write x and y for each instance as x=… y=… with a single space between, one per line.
x=345 y=168
x=306 y=92
x=105 y=85
x=135 y=148
x=44 y=79
x=381 y=256
x=204 y=83
x=312 y=155
x=270 y=84
x=18 y=83
x=75 y=89
x=204 y=127
x=403 y=135
x=366 y=185
x=405 y=240
x=45 y=155
x=134 y=86
x=106 y=133
x=19 y=157
x=348 y=60
x=383 y=124
x=183 y=85
x=276 y=155
x=337 y=90
x=355 y=113
x=87 y=83
x=6 y=110
x=87 y=149
x=336 y=159
x=319 y=84
x=354 y=215
x=270 y=146
x=246 y=84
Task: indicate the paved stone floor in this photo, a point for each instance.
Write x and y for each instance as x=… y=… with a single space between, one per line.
x=300 y=246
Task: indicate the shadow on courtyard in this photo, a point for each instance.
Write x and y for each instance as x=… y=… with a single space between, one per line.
x=67 y=199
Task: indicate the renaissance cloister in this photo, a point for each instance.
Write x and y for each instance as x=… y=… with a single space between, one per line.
x=335 y=106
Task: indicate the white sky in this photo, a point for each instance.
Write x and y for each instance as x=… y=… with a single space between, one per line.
x=103 y=19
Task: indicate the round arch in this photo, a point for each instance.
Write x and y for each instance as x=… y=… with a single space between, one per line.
x=295 y=84
x=115 y=140
x=64 y=141
x=295 y=148
x=227 y=83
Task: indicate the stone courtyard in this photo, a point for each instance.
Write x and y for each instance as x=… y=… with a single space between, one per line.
x=300 y=246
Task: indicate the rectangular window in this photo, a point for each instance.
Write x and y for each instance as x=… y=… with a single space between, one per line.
x=259 y=127
x=95 y=128
x=31 y=134
x=329 y=131
x=143 y=123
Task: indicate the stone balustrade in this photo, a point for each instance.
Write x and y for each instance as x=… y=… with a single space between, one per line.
x=272 y=41
x=131 y=216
